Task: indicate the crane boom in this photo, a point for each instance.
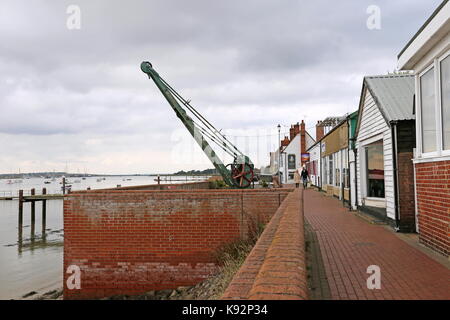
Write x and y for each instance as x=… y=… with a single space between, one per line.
x=240 y=174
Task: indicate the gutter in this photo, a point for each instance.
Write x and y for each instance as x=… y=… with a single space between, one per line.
x=395 y=173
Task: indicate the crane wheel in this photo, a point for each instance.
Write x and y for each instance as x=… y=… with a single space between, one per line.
x=242 y=174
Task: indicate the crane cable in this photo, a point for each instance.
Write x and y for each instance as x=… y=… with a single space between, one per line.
x=213 y=131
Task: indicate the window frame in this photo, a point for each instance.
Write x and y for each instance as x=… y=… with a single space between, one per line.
x=366 y=156
x=419 y=113
x=440 y=151
x=444 y=152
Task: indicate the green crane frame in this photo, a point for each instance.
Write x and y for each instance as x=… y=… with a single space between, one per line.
x=240 y=174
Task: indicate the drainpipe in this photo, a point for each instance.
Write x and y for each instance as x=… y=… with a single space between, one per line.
x=394 y=163
x=355 y=154
x=320 y=166
x=348 y=165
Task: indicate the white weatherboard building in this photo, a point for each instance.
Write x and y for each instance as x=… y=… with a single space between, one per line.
x=384 y=144
x=314 y=165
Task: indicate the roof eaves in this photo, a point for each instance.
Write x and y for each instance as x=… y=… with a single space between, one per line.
x=422 y=27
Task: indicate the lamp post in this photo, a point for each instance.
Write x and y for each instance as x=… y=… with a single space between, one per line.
x=279 y=154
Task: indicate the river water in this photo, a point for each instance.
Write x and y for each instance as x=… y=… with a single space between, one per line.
x=32 y=260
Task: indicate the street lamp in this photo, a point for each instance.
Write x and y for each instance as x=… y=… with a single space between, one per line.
x=279 y=154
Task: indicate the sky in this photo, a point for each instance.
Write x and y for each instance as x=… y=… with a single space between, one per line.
x=72 y=95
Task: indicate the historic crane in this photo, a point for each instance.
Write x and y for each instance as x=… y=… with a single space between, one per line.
x=238 y=174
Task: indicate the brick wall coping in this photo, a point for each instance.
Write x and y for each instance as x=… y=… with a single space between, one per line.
x=275 y=269
x=187 y=191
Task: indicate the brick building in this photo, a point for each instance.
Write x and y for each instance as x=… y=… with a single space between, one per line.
x=292 y=147
x=428 y=55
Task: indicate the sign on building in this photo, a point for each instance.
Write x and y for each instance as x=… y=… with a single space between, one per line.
x=305 y=157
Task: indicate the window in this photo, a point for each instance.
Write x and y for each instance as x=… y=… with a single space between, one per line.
x=337 y=162
x=330 y=170
x=291 y=161
x=427 y=101
x=445 y=101
x=345 y=171
x=375 y=170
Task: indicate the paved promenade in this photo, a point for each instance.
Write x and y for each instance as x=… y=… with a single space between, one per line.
x=349 y=244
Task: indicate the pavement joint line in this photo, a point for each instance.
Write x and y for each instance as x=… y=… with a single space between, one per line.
x=411 y=273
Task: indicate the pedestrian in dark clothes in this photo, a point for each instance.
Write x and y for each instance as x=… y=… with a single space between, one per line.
x=304 y=175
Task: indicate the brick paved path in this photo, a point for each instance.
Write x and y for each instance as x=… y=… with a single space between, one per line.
x=350 y=244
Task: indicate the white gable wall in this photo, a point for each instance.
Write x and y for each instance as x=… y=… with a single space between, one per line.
x=292 y=148
x=373 y=127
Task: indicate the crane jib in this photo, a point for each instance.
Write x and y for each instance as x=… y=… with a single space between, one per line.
x=240 y=172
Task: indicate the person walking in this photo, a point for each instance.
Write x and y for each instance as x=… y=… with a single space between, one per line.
x=297 y=178
x=304 y=175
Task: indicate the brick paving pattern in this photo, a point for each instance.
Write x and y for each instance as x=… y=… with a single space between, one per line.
x=350 y=244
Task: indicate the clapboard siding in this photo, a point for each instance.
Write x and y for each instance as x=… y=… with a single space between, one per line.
x=372 y=123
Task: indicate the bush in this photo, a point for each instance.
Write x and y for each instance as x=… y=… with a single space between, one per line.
x=217 y=184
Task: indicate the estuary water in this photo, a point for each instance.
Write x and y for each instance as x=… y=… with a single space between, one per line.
x=32 y=260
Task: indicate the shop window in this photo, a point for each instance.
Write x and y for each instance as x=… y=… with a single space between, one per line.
x=330 y=170
x=291 y=161
x=427 y=102
x=337 y=169
x=445 y=101
x=347 y=171
x=375 y=170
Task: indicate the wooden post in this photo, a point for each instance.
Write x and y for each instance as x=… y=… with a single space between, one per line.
x=20 y=209
x=33 y=214
x=64 y=185
x=44 y=212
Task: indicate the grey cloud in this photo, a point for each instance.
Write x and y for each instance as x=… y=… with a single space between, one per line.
x=245 y=65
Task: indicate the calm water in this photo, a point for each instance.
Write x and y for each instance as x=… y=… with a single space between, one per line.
x=31 y=260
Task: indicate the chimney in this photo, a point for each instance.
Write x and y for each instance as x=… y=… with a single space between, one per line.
x=320 y=131
x=302 y=138
x=296 y=129
x=291 y=133
x=285 y=142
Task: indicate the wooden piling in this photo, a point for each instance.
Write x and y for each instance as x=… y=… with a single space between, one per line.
x=44 y=211
x=20 y=209
x=33 y=213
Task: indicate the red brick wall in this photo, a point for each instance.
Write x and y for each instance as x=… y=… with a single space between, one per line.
x=407 y=207
x=433 y=203
x=276 y=267
x=129 y=242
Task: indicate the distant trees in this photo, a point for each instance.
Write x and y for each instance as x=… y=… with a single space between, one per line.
x=196 y=172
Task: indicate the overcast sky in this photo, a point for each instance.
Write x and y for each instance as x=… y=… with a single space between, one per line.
x=77 y=97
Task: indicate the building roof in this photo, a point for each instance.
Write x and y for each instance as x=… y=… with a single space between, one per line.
x=394 y=95
x=435 y=12
x=429 y=35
